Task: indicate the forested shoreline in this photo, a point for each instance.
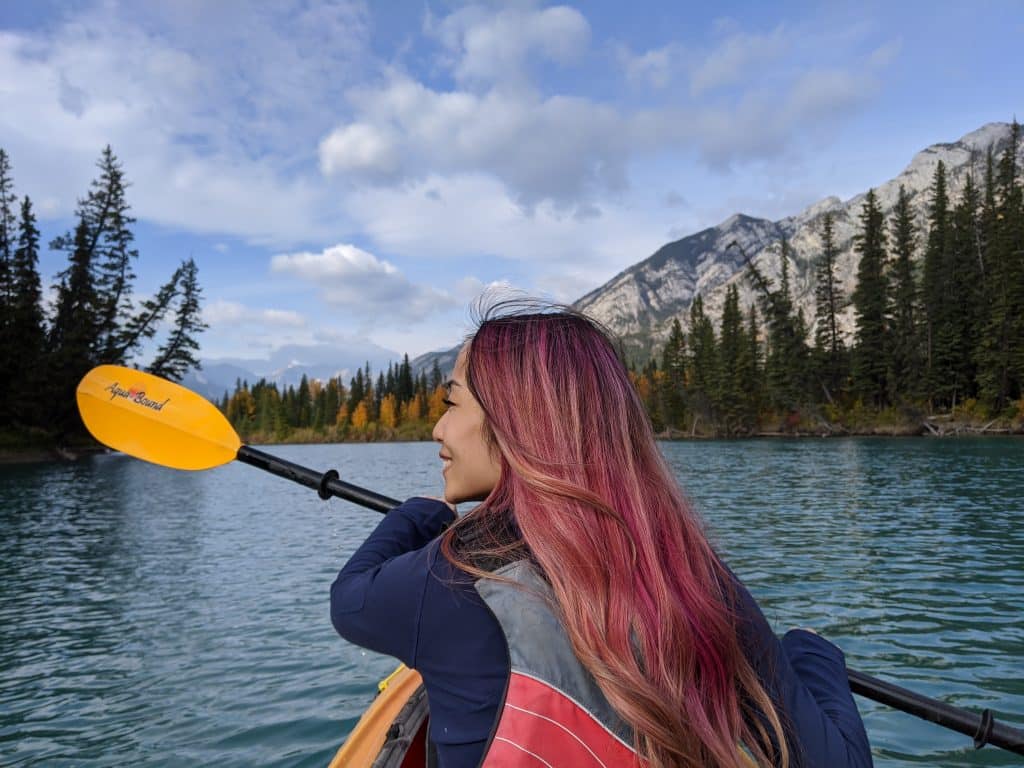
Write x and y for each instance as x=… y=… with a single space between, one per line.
x=395 y=406
x=47 y=346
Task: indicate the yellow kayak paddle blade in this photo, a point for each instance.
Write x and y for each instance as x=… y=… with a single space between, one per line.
x=154 y=419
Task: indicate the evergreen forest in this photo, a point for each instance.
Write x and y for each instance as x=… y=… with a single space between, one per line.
x=938 y=344
x=49 y=340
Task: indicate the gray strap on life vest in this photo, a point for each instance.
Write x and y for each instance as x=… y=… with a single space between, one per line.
x=538 y=644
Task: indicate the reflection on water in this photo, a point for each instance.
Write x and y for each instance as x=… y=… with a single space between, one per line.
x=173 y=618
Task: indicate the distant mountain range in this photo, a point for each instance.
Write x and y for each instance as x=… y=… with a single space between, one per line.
x=640 y=302
x=287 y=365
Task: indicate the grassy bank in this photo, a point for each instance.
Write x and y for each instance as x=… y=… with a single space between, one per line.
x=858 y=421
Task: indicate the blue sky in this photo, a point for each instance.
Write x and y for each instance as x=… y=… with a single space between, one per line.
x=347 y=172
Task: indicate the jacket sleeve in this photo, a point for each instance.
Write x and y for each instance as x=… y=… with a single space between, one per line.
x=818 y=698
x=806 y=675
x=378 y=595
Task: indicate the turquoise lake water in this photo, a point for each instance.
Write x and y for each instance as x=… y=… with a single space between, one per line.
x=160 y=618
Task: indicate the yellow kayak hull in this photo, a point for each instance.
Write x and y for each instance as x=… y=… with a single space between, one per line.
x=392 y=732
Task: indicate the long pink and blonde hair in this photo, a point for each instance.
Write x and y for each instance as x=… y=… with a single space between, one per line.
x=646 y=602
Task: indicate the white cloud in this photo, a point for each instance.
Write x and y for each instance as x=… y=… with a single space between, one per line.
x=751 y=99
x=221 y=313
x=737 y=58
x=888 y=52
x=339 y=262
x=488 y=47
x=655 y=68
x=214 y=109
x=818 y=95
x=358 y=147
x=560 y=148
x=283 y=317
x=473 y=216
x=352 y=278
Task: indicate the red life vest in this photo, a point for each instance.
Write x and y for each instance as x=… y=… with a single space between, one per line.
x=554 y=714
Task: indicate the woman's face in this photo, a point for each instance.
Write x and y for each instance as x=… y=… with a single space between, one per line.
x=469 y=465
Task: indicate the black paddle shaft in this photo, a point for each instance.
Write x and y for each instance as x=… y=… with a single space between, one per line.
x=326 y=483
x=983 y=728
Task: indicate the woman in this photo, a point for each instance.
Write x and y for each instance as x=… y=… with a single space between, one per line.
x=578 y=615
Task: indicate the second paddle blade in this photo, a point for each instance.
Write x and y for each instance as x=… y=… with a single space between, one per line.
x=154 y=419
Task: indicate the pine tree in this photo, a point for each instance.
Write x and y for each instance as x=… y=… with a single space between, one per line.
x=319 y=404
x=304 y=403
x=777 y=362
x=786 y=359
x=8 y=227
x=389 y=380
x=356 y=391
x=71 y=344
x=403 y=381
x=935 y=284
x=729 y=390
x=905 y=366
x=378 y=396
x=8 y=341
x=178 y=354
x=332 y=401
x=26 y=328
x=989 y=214
x=1011 y=246
x=104 y=213
x=830 y=351
x=751 y=370
x=436 y=377
x=800 y=356
x=673 y=367
x=266 y=396
x=959 y=334
x=702 y=363
x=870 y=301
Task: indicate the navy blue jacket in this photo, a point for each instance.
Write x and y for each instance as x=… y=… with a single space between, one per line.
x=399 y=596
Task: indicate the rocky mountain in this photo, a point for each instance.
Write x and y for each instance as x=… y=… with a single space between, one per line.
x=445 y=359
x=640 y=302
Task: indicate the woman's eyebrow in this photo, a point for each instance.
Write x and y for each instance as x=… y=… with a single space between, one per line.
x=451 y=383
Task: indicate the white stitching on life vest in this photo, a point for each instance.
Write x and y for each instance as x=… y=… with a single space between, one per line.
x=523 y=749
x=560 y=692
x=563 y=727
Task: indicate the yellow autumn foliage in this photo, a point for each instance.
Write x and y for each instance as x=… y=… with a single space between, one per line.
x=389 y=412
